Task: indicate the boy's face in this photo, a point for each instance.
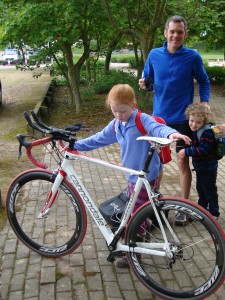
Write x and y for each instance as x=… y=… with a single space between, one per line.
x=121 y=111
x=195 y=122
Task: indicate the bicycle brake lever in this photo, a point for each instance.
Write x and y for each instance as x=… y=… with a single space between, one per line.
x=20 y=151
x=53 y=144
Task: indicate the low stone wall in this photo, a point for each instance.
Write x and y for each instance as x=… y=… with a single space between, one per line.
x=41 y=109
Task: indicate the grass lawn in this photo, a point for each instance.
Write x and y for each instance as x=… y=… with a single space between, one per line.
x=206 y=55
x=213 y=54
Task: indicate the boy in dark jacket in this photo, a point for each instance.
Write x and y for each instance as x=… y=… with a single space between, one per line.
x=203 y=153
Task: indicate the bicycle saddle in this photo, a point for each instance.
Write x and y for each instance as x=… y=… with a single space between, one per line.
x=158 y=140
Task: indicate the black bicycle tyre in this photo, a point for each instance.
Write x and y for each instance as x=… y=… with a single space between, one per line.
x=62 y=231
x=194 y=253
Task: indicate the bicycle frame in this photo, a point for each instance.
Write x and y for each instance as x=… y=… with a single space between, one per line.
x=191 y=267
x=67 y=171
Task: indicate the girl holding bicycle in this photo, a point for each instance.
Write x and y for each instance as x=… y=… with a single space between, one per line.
x=123 y=129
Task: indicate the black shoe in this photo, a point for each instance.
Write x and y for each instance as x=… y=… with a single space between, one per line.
x=122 y=263
x=181 y=219
x=216 y=217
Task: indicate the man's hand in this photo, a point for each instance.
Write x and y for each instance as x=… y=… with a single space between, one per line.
x=206 y=104
x=141 y=84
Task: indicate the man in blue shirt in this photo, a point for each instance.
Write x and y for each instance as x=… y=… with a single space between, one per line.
x=173 y=69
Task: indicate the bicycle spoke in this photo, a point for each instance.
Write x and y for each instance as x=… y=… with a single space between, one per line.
x=54 y=234
x=197 y=257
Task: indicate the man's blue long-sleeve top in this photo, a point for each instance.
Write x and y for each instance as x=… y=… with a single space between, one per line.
x=133 y=152
x=173 y=76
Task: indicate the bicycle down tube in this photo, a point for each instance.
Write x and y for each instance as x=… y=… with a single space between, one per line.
x=68 y=171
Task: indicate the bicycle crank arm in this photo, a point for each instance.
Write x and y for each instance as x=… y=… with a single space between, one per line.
x=44 y=214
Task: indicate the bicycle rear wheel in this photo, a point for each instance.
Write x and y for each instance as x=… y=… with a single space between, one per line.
x=62 y=230
x=198 y=266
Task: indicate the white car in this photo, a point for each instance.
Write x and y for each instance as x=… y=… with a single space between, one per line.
x=11 y=56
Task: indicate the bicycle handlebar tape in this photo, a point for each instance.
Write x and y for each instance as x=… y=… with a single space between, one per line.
x=34 y=160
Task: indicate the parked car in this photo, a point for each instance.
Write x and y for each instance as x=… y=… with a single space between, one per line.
x=11 y=56
x=35 y=57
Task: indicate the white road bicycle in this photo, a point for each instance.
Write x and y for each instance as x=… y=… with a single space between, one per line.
x=47 y=212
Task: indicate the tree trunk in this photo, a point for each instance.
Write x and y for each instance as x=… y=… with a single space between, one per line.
x=107 y=60
x=88 y=69
x=111 y=46
x=73 y=76
x=145 y=47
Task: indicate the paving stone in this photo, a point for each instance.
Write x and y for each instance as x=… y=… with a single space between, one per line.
x=17 y=283
x=4 y=291
x=112 y=290
x=64 y=295
x=17 y=295
x=63 y=284
x=92 y=266
x=48 y=275
x=97 y=296
x=6 y=275
x=32 y=288
x=33 y=271
x=81 y=292
x=10 y=246
x=94 y=282
x=47 y=291
x=20 y=266
x=78 y=276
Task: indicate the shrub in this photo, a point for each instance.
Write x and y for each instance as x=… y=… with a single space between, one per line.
x=59 y=81
x=216 y=74
x=87 y=94
x=105 y=82
x=132 y=62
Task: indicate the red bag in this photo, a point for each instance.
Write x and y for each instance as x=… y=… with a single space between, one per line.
x=165 y=152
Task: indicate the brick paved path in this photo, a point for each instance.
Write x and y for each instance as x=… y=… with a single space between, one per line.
x=86 y=274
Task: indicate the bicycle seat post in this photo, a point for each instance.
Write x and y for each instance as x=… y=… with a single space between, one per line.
x=148 y=159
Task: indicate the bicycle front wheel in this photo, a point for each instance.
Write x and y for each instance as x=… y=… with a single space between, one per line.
x=58 y=233
x=197 y=267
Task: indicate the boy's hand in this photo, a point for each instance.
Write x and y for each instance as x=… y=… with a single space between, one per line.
x=178 y=136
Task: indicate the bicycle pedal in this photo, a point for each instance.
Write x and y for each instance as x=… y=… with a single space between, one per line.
x=112 y=255
x=110 y=259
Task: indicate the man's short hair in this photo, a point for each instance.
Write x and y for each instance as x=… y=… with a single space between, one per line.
x=176 y=19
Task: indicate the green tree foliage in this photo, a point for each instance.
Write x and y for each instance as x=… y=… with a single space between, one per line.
x=56 y=25
x=139 y=19
x=211 y=24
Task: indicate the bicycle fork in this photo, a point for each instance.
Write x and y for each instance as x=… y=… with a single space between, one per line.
x=52 y=194
x=151 y=195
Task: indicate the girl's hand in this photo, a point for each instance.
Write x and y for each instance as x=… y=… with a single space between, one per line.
x=178 y=136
